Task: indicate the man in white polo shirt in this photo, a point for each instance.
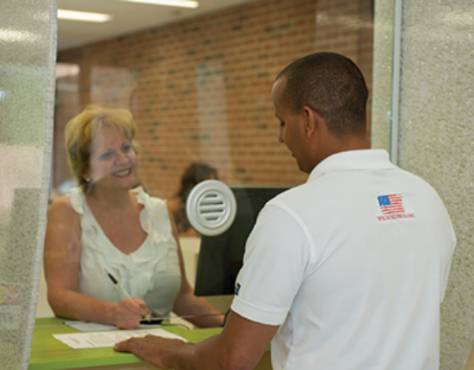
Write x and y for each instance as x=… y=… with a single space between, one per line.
x=346 y=271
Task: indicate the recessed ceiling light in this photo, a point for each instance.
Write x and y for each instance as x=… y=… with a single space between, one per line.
x=67 y=70
x=177 y=3
x=74 y=15
x=7 y=35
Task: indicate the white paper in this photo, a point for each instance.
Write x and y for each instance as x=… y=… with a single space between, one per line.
x=109 y=338
x=89 y=326
x=92 y=326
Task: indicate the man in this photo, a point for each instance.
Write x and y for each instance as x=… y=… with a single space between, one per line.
x=346 y=271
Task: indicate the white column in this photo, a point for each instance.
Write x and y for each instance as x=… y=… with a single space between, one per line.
x=27 y=59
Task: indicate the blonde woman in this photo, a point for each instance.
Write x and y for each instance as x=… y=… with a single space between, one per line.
x=111 y=251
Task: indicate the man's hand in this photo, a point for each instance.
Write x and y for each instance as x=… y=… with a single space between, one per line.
x=240 y=346
x=155 y=350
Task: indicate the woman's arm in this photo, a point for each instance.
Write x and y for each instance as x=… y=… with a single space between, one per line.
x=187 y=303
x=61 y=264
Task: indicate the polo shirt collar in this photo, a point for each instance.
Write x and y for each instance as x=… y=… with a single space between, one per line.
x=362 y=159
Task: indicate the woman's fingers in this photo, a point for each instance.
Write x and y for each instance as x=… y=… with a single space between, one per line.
x=136 y=306
x=144 y=308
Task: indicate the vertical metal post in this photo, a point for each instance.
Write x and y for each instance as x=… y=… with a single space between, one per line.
x=396 y=61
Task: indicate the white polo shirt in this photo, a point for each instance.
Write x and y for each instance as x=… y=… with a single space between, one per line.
x=352 y=265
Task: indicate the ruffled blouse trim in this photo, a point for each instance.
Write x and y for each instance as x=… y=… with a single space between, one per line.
x=145 y=217
x=77 y=199
x=142 y=197
x=153 y=220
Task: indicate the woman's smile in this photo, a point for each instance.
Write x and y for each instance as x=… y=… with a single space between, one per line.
x=123 y=173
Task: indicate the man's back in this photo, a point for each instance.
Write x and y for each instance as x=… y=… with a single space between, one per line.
x=377 y=243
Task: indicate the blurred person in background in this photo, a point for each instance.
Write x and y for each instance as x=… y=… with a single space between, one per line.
x=195 y=173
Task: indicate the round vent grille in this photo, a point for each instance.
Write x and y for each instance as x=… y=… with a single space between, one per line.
x=211 y=207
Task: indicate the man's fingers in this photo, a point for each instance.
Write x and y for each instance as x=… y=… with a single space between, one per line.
x=123 y=346
x=134 y=345
x=145 y=348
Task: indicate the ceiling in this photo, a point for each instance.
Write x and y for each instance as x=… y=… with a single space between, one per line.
x=127 y=18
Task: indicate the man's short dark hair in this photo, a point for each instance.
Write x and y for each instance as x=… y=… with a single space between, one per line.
x=332 y=85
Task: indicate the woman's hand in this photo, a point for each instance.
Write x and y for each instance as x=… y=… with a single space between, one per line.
x=128 y=313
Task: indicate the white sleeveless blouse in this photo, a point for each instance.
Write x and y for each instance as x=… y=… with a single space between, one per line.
x=151 y=272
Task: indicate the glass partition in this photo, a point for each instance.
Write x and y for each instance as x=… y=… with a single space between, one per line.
x=200 y=93
x=200 y=89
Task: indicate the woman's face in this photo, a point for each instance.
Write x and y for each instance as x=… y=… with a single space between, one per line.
x=112 y=162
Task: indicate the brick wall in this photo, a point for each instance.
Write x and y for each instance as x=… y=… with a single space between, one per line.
x=200 y=88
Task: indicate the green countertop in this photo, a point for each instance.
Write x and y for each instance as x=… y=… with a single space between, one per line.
x=48 y=353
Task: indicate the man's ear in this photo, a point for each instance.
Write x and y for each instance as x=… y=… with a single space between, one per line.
x=312 y=122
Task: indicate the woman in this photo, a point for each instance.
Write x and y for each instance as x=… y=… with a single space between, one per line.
x=192 y=175
x=111 y=251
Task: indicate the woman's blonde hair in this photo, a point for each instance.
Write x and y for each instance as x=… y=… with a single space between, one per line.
x=80 y=130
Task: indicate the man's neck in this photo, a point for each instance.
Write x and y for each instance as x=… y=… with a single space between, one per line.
x=339 y=144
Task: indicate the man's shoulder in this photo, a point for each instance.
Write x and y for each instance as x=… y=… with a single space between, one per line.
x=299 y=193
x=286 y=196
x=295 y=200
x=416 y=183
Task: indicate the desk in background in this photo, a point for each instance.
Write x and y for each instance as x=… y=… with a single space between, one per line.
x=47 y=353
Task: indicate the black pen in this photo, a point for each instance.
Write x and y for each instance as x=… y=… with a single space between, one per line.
x=158 y=320
x=124 y=294
x=119 y=287
x=151 y=321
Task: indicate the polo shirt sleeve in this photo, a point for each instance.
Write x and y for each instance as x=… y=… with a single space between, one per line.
x=275 y=263
x=452 y=241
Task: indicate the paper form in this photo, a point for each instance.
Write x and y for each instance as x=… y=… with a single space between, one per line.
x=89 y=326
x=109 y=338
x=93 y=326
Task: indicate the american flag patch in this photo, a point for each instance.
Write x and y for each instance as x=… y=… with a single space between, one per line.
x=390 y=204
x=391 y=207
